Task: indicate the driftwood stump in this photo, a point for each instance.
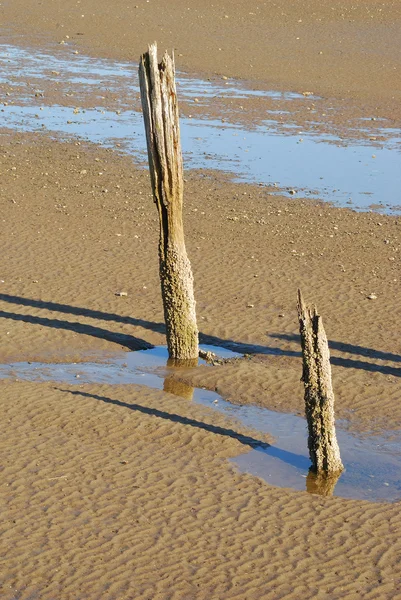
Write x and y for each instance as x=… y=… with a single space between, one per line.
x=319 y=396
x=160 y=113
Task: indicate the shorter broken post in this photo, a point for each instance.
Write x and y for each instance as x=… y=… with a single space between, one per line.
x=160 y=113
x=319 y=396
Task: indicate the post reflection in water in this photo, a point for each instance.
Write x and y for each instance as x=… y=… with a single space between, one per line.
x=178 y=388
x=173 y=385
x=322 y=484
x=373 y=465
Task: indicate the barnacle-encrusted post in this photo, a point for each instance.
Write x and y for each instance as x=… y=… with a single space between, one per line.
x=160 y=113
x=319 y=396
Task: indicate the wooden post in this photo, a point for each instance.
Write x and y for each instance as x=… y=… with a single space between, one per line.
x=160 y=113
x=319 y=397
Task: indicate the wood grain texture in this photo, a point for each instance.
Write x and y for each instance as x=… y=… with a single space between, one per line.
x=160 y=112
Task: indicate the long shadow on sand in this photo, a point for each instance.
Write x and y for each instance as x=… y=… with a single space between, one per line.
x=174 y=418
x=130 y=342
x=344 y=347
x=286 y=456
x=134 y=343
x=351 y=349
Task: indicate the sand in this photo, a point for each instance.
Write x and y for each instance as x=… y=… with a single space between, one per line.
x=122 y=492
x=330 y=47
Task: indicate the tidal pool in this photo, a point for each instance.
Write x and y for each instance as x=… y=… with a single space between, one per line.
x=372 y=464
x=360 y=175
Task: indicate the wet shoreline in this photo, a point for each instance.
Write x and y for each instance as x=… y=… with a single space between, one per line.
x=372 y=464
x=362 y=174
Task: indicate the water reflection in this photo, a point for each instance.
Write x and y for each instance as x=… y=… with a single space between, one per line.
x=178 y=363
x=373 y=465
x=178 y=388
x=323 y=485
x=174 y=386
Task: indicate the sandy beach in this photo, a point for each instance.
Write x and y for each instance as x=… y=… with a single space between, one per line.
x=123 y=492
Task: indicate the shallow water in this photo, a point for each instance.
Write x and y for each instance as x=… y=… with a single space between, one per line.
x=113 y=75
x=349 y=174
x=373 y=465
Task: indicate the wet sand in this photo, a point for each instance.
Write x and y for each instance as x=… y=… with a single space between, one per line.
x=122 y=492
x=335 y=49
x=193 y=528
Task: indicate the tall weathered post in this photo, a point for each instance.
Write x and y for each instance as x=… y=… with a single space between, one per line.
x=160 y=113
x=319 y=396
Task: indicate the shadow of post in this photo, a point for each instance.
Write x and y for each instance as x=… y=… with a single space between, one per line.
x=351 y=349
x=129 y=341
x=174 y=418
